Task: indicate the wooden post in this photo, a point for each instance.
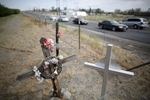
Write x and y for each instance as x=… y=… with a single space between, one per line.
x=39 y=19
x=45 y=22
x=57 y=90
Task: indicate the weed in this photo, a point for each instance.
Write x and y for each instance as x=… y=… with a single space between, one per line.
x=1 y=30
x=27 y=25
x=63 y=26
x=94 y=41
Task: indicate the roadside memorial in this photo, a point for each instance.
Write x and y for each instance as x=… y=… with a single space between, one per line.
x=50 y=67
x=107 y=66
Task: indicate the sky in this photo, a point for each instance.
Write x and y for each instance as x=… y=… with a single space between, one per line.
x=106 y=5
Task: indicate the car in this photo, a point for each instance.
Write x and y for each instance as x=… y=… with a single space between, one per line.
x=82 y=21
x=135 y=22
x=63 y=19
x=52 y=18
x=74 y=16
x=112 y=25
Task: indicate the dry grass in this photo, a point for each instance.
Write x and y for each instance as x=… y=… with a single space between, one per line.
x=3 y=19
x=105 y=17
x=26 y=53
x=93 y=40
x=33 y=20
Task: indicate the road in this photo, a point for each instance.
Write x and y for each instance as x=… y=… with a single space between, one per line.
x=142 y=36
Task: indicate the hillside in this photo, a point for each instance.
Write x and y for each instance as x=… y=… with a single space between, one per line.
x=20 y=51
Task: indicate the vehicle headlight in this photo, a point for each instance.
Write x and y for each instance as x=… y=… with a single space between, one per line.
x=120 y=26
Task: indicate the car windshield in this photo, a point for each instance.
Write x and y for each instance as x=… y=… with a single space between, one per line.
x=64 y=17
x=113 y=22
x=52 y=16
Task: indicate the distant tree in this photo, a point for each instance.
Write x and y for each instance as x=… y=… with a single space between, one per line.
x=98 y=10
x=53 y=9
x=34 y=9
x=117 y=11
x=65 y=8
x=43 y=10
x=148 y=10
x=4 y=11
x=90 y=10
x=132 y=11
x=59 y=9
x=137 y=11
x=82 y=9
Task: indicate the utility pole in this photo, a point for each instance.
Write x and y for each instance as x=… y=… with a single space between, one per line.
x=57 y=6
x=65 y=4
x=76 y=5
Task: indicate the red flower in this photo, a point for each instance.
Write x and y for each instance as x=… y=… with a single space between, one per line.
x=49 y=43
x=59 y=34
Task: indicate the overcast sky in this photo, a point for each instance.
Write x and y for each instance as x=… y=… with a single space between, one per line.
x=106 y=5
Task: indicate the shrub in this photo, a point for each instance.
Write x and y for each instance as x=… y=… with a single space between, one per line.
x=7 y=11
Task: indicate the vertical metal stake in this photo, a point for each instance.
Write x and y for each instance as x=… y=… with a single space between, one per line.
x=39 y=18
x=107 y=64
x=45 y=22
x=57 y=39
x=79 y=34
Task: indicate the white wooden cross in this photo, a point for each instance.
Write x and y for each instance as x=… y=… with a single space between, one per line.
x=107 y=66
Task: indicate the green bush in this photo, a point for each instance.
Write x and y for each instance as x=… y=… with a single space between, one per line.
x=7 y=11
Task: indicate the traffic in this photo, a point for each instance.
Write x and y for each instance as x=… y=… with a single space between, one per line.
x=139 y=35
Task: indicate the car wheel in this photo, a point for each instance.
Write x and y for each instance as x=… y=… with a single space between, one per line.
x=113 y=29
x=124 y=30
x=141 y=27
x=100 y=26
x=135 y=26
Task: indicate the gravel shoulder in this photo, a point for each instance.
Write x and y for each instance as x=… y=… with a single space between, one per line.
x=20 y=51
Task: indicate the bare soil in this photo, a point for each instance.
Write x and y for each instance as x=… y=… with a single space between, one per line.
x=20 y=51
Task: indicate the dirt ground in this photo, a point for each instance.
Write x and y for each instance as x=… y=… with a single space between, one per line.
x=20 y=50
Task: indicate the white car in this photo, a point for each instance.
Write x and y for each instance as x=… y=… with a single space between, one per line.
x=74 y=17
x=53 y=18
x=63 y=19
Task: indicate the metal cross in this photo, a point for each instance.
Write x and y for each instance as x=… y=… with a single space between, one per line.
x=107 y=66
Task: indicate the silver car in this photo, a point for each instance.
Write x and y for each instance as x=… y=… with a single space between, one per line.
x=135 y=22
x=52 y=18
x=63 y=19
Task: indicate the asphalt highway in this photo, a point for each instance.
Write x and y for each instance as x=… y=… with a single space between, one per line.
x=142 y=36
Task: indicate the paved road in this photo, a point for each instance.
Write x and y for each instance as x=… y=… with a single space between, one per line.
x=131 y=34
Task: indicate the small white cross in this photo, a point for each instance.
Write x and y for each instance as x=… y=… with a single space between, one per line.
x=107 y=66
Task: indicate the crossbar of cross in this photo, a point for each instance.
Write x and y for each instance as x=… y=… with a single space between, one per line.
x=107 y=66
